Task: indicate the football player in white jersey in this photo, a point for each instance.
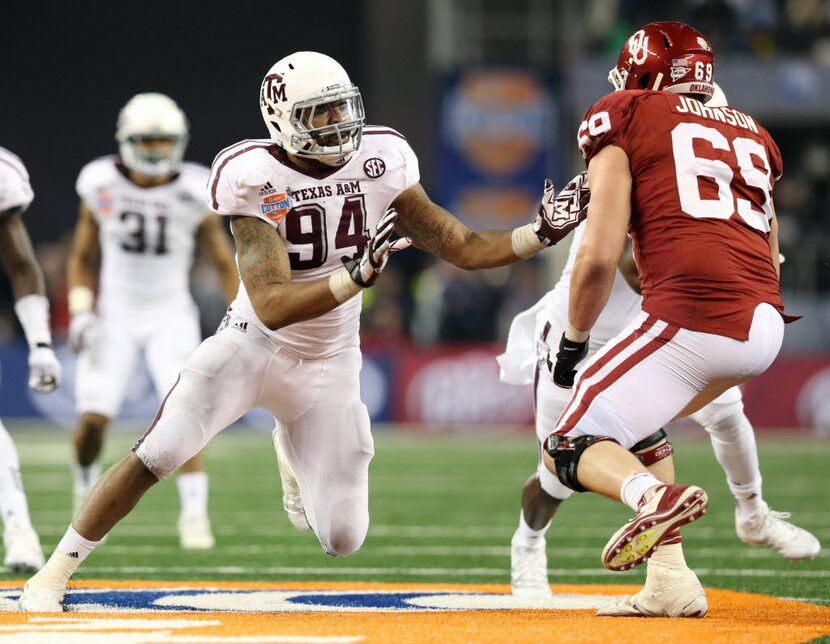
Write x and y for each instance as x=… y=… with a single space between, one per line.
x=670 y=585
x=21 y=543
x=143 y=213
x=312 y=212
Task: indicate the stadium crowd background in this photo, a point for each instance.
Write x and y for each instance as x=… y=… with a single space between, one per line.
x=488 y=92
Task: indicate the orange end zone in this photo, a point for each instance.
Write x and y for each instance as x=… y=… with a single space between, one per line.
x=737 y=617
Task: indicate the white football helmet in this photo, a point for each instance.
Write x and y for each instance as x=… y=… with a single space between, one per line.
x=311 y=108
x=148 y=117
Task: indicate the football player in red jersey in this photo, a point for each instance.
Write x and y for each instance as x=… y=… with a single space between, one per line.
x=692 y=185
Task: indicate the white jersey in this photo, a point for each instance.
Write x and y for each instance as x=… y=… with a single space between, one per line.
x=147 y=235
x=623 y=303
x=549 y=317
x=15 y=189
x=321 y=216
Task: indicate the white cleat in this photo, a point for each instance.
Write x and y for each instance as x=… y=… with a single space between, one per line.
x=35 y=599
x=668 y=592
x=768 y=528
x=195 y=532
x=529 y=570
x=23 y=551
x=292 y=501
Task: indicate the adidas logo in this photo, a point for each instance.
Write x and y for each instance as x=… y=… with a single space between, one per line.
x=74 y=555
x=240 y=326
x=267 y=189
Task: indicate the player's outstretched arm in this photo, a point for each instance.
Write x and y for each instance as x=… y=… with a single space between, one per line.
x=266 y=272
x=609 y=213
x=435 y=230
x=214 y=242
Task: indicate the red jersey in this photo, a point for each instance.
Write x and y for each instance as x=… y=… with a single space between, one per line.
x=701 y=205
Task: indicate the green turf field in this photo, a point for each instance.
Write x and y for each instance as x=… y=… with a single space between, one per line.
x=443 y=510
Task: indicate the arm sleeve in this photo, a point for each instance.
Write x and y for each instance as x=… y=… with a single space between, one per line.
x=606 y=123
x=15 y=189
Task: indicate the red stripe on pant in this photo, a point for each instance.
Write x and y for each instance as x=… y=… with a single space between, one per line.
x=158 y=416
x=649 y=322
x=594 y=390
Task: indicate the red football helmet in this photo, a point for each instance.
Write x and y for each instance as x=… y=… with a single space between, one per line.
x=666 y=56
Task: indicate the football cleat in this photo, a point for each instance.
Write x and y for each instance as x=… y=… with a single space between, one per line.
x=529 y=569
x=40 y=600
x=23 y=551
x=292 y=501
x=195 y=533
x=668 y=592
x=768 y=528
x=669 y=507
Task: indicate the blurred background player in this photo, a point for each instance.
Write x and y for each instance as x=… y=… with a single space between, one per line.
x=21 y=543
x=312 y=225
x=144 y=214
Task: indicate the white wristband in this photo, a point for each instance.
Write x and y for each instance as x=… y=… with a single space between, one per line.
x=575 y=335
x=525 y=242
x=33 y=313
x=81 y=299
x=342 y=286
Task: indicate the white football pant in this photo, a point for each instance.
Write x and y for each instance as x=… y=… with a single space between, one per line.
x=324 y=427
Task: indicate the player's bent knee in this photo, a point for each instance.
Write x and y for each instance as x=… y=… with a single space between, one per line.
x=653 y=449
x=170 y=443
x=565 y=451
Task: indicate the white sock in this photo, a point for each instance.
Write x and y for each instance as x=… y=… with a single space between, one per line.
x=13 y=506
x=635 y=486
x=527 y=536
x=193 y=493
x=55 y=573
x=733 y=441
x=75 y=546
x=85 y=476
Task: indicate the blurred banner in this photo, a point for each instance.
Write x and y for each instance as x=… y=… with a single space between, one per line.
x=496 y=142
x=444 y=388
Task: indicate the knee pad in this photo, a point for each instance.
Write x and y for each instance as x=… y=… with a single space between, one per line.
x=653 y=448
x=566 y=452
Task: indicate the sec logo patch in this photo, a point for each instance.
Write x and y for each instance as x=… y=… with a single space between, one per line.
x=374 y=167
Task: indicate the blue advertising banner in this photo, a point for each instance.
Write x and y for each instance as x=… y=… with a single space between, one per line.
x=497 y=142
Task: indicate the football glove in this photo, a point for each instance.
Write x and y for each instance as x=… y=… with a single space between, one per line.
x=560 y=213
x=82 y=330
x=365 y=269
x=44 y=370
x=569 y=355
